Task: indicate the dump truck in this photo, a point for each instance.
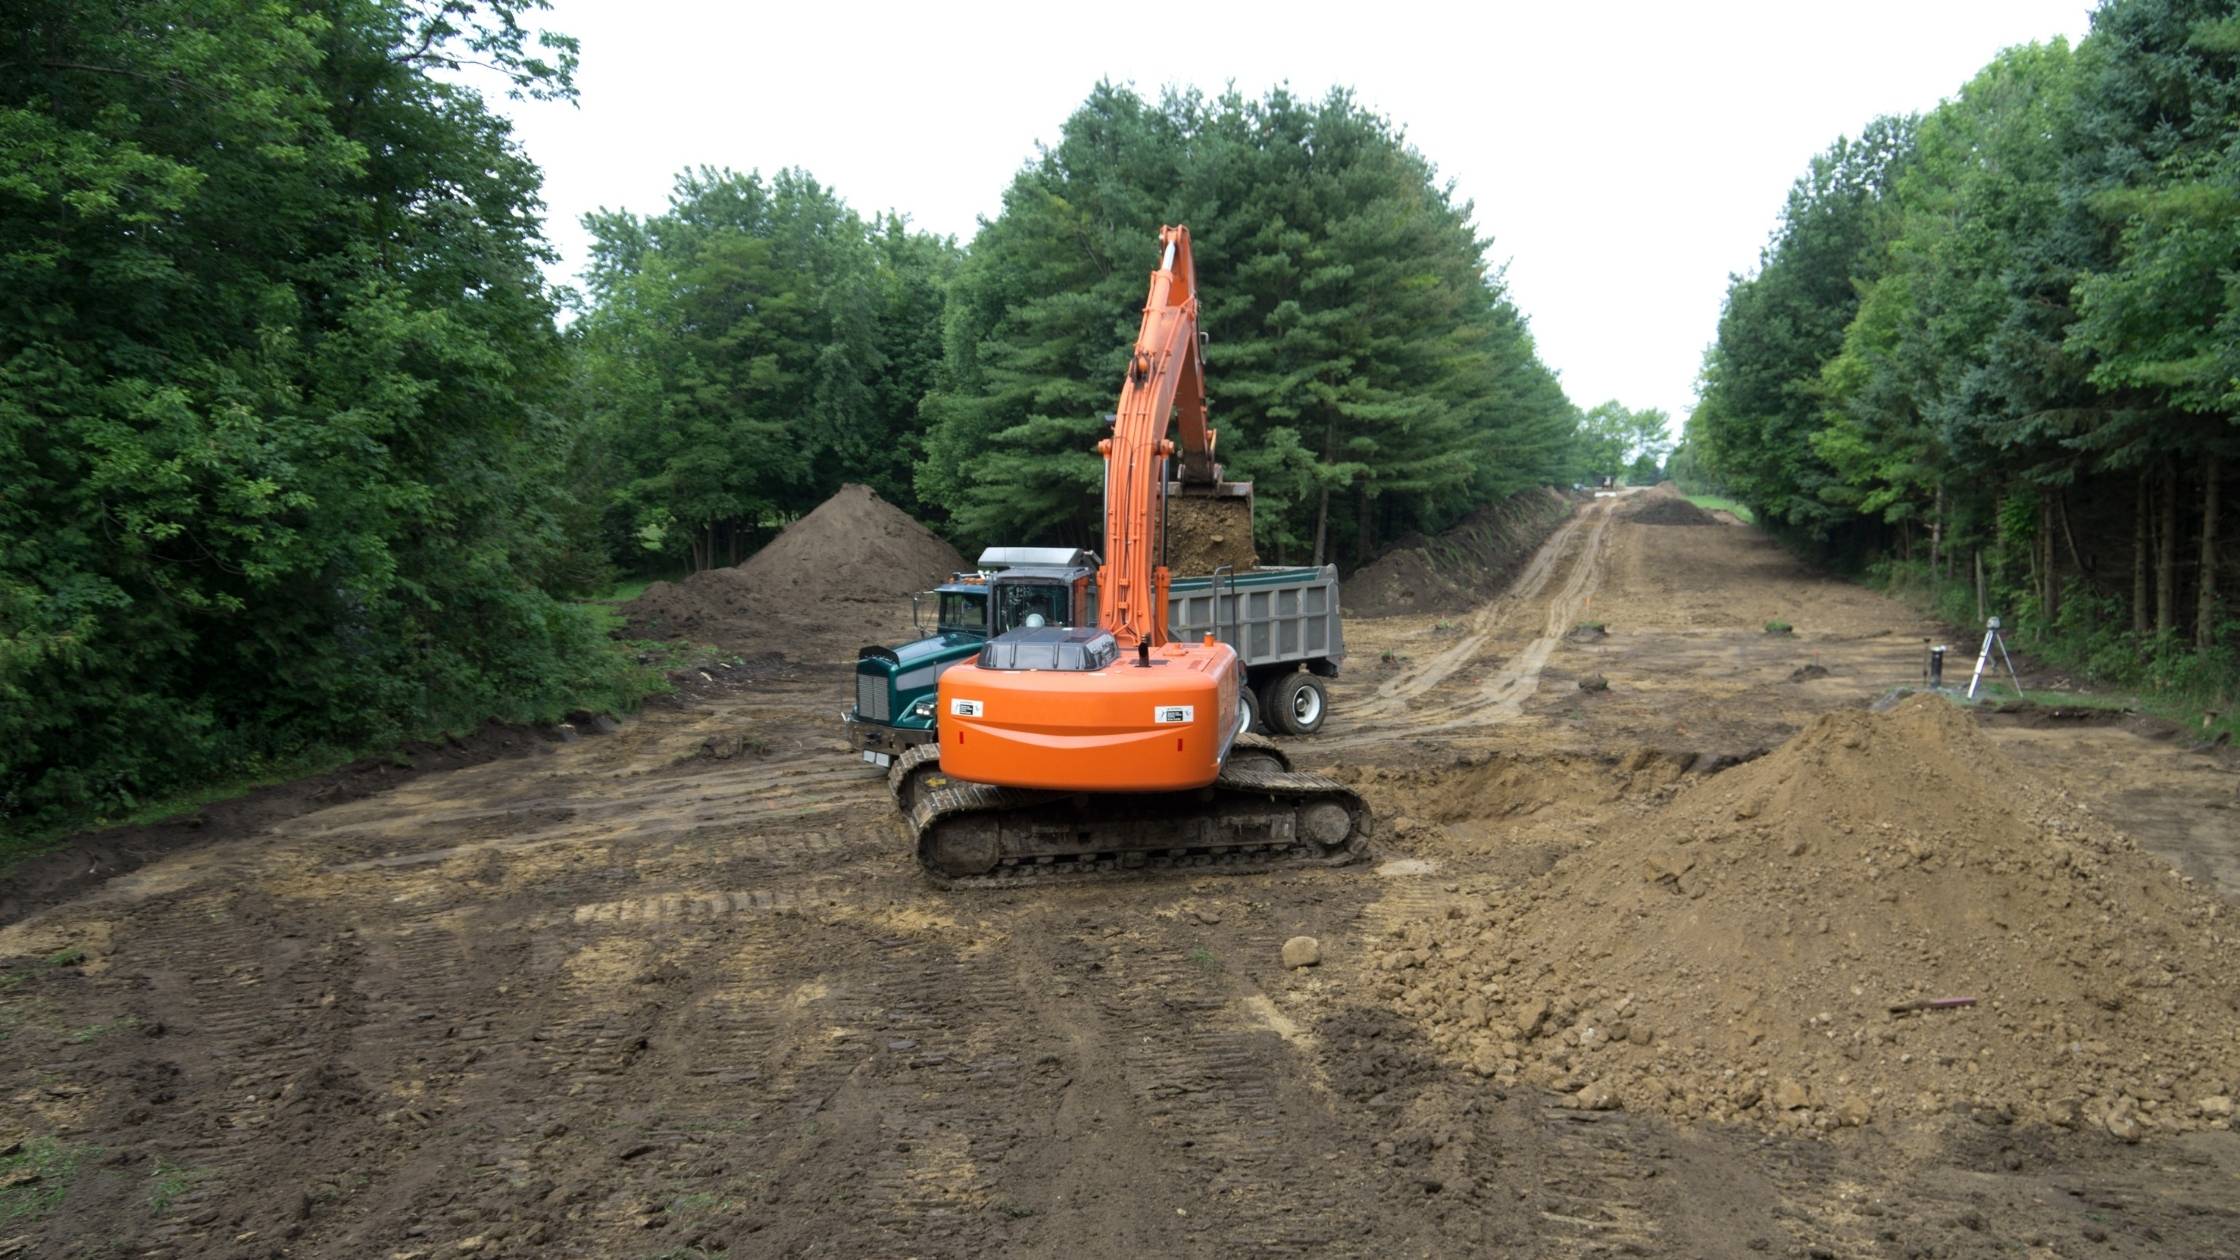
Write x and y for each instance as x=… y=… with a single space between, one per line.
x=1283 y=622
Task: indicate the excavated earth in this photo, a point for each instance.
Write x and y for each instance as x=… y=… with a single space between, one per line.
x=1617 y=980
x=855 y=557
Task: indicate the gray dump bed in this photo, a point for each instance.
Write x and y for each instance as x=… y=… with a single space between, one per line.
x=1271 y=616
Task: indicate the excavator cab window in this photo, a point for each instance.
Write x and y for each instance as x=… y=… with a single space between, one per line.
x=1019 y=603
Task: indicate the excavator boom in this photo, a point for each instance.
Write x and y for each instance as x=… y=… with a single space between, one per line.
x=1164 y=378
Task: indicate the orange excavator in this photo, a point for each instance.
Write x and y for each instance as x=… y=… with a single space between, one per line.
x=1073 y=750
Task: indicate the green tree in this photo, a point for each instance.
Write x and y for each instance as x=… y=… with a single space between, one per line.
x=2160 y=322
x=276 y=421
x=1369 y=374
x=2038 y=365
x=748 y=350
x=1759 y=406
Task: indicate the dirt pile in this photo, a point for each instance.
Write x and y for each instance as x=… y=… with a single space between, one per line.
x=1665 y=505
x=1740 y=955
x=855 y=557
x=1459 y=568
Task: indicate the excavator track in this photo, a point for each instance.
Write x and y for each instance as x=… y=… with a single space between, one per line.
x=915 y=772
x=1255 y=817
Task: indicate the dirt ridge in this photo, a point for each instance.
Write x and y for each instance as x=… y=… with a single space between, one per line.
x=1462 y=566
x=1737 y=956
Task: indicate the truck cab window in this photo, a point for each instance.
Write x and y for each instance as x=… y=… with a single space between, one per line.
x=964 y=612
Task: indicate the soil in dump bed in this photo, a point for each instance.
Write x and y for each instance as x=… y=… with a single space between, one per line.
x=1737 y=956
x=854 y=549
x=1461 y=567
x=1205 y=532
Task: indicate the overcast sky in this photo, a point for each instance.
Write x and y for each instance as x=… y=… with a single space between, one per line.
x=1623 y=157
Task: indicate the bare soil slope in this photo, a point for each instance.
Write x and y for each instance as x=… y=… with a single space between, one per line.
x=1738 y=954
x=1461 y=567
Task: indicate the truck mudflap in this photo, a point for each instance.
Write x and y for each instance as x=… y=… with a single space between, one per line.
x=1259 y=815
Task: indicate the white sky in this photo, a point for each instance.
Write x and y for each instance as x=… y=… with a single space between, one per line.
x=1624 y=157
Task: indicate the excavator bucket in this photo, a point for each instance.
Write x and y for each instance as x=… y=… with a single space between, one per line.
x=1209 y=526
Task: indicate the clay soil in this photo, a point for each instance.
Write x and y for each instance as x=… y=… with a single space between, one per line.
x=677 y=991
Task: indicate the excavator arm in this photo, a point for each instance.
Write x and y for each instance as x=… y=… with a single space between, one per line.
x=1164 y=380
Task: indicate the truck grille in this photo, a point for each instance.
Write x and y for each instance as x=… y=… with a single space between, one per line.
x=871 y=698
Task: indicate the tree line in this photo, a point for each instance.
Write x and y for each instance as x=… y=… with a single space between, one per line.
x=282 y=436
x=759 y=341
x=1996 y=348
x=301 y=452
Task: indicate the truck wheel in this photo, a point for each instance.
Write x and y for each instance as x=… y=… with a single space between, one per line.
x=1297 y=703
x=1253 y=721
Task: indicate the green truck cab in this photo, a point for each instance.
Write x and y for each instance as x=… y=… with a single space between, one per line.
x=1014 y=586
x=1284 y=623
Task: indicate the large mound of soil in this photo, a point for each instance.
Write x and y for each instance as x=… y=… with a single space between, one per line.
x=856 y=556
x=1744 y=953
x=1459 y=568
x=1668 y=509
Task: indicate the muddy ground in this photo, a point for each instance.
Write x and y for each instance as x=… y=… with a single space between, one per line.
x=678 y=991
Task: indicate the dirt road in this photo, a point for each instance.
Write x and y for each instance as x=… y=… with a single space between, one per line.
x=678 y=991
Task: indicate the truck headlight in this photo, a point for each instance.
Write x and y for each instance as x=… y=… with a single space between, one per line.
x=923 y=708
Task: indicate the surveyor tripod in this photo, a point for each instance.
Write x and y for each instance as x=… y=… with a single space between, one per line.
x=1992 y=638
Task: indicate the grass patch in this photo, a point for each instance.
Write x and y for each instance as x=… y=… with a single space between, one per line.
x=1778 y=626
x=627 y=590
x=1589 y=627
x=1713 y=503
x=2092 y=642
x=93 y=1032
x=34 y=1178
x=1203 y=958
x=607 y=617
x=166 y=1183
x=2106 y=702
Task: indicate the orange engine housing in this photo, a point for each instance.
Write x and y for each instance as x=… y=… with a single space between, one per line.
x=1125 y=727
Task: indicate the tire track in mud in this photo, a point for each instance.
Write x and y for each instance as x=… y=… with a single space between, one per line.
x=1221 y=1092
x=955 y=1076
x=1419 y=679
x=1810 y=1183
x=1588 y=1175
x=258 y=1048
x=661 y=810
x=1416 y=702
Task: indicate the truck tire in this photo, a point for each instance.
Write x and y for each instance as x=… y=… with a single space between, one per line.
x=1296 y=703
x=1254 y=719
